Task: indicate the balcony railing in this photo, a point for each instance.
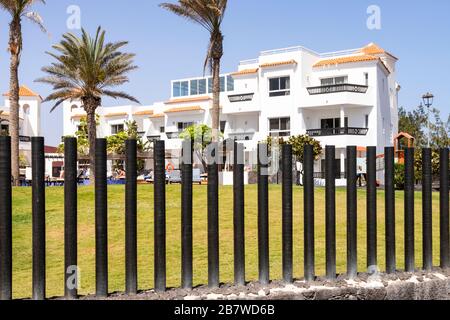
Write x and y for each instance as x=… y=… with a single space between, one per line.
x=24 y=139
x=242 y=136
x=241 y=97
x=173 y=135
x=335 y=88
x=337 y=132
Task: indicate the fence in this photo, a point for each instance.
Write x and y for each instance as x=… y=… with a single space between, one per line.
x=101 y=252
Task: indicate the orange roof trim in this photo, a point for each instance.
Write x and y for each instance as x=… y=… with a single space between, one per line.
x=158 y=115
x=24 y=91
x=144 y=113
x=79 y=115
x=193 y=99
x=185 y=109
x=116 y=114
x=374 y=49
x=276 y=64
x=245 y=72
x=349 y=59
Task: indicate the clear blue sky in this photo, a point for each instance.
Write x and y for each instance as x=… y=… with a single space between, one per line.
x=168 y=47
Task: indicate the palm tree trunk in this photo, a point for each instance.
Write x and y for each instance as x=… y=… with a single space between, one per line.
x=90 y=106
x=15 y=46
x=216 y=100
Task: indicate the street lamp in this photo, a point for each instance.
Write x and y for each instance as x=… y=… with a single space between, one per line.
x=428 y=99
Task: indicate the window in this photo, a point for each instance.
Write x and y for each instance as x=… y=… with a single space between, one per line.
x=279 y=87
x=223 y=124
x=333 y=81
x=367 y=121
x=230 y=83
x=198 y=86
x=73 y=107
x=366 y=78
x=184 y=125
x=180 y=88
x=4 y=130
x=26 y=109
x=117 y=128
x=162 y=129
x=332 y=123
x=280 y=127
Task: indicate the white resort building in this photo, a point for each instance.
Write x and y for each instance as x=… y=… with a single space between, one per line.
x=29 y=119
x=340 y=98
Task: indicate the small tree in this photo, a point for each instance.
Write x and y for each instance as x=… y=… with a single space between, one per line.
x=202 y=136
x=298 y=144
x=116 y=143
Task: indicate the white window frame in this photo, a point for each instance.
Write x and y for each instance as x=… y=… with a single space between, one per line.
x=276 y=133
x=334 y=80
x=274 y=93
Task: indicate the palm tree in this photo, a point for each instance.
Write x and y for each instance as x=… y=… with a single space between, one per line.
x=18 y=9
x=85 y=69
x=209 y=14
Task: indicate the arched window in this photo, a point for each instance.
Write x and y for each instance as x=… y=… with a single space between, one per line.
x=74 y=106
x=26 y=109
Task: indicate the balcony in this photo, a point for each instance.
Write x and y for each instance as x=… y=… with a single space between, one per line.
x=336 y=88
x=350 y=131
x=173 y=135
x=24 y=139
x=241 y=97
x=242 y=136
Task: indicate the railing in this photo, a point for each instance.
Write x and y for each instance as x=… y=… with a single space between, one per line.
x=24 y=139
x=335 y=88
x=242 y=136
x=173 y=135
x=350 y=131
x=71 y=257
x=241 y=97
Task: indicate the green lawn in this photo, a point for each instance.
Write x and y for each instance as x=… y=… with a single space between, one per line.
x=86 y=245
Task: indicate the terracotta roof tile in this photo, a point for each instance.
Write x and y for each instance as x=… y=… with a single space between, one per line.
x=144 y=113
x=191 y=99
x=24 y=91
x=244 y=72
x=342 y=60
x=116 y=114
x=185 y=109
x=276 y=64
x=158 y=115
x=79 y=115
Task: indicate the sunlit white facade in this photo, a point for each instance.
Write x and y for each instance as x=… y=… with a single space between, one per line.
x=29 y=118
x=340 y=98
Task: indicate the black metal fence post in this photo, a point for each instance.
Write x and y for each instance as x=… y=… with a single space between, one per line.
x=131 y=216
x=444 y=208
x=101 y=219
x=239 y=215
x=372 y=208
x=160 y=216
x=352 y=258
x=186 y=216
x=330 y=211
x=38 y=208
x=409 y=210
x=5 y=219
x=213 y=218
x=308 y=167
x=427 y=181
x=390 y=210
x=70 y=219
x=287 y=229
x=263 y=214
